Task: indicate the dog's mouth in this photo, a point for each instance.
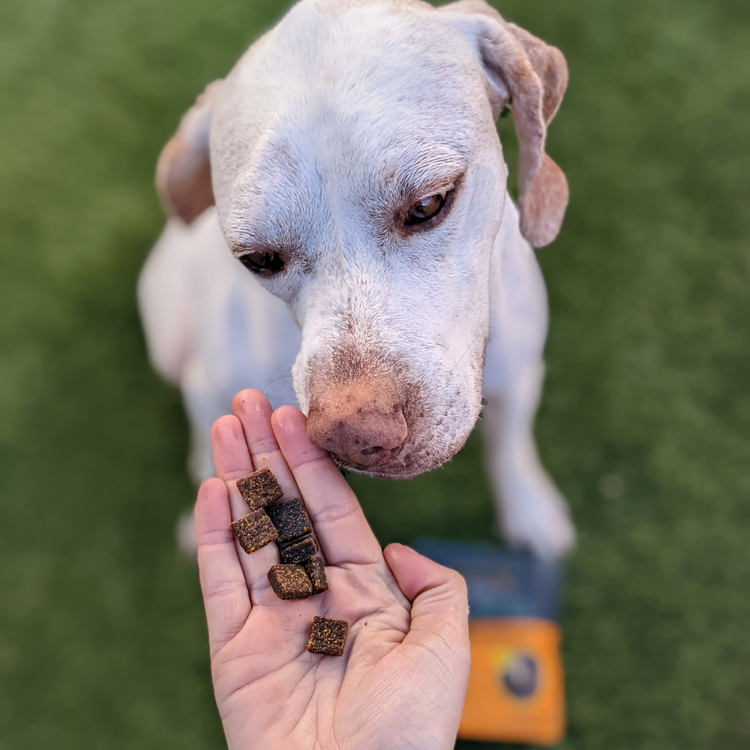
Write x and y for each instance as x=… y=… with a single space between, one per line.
x=386 y=472
x=347 y=465
x=404 y=465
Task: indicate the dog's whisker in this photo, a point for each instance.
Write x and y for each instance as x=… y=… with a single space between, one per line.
x=460 y=358
x=275 y=383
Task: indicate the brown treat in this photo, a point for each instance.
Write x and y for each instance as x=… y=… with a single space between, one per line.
x=290 y=582
x=290 y=519
x=254 y=531
x=260 y=488
x=316 y=570
x=297 y=552
x=327 y=636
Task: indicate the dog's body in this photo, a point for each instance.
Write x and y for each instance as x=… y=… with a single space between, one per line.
x=325 y=159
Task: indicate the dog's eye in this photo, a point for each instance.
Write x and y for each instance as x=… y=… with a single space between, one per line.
x=262 y=261
x=424 y=209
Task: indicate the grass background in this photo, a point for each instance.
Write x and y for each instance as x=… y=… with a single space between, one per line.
x=102 y=639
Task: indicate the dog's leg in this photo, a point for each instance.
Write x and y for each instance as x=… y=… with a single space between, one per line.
x=530 y=509
x=204 y=404
x=212 y=330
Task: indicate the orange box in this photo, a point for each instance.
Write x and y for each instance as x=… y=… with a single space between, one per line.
x=516 y=689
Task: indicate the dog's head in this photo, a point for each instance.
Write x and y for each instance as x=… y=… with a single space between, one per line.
x=357 y=172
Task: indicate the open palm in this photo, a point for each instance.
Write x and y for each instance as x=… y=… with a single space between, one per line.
x=402 y=679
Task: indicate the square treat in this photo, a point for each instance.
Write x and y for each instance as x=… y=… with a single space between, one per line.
x=290 y=519
x=290 y=582
x=260 y=488
x=254 y=531
x=327 y=636
x=316 y=570
x=297 y=552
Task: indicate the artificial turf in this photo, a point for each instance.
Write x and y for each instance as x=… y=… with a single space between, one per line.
x=645 y=423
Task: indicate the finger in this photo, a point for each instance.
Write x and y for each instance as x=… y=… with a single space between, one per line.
x=438 y=639
x=232 y=461
x=254 y=412
x=341 y=526
x=225 y=593
x=440 y=605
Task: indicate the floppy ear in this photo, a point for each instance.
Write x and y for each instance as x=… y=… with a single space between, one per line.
x=183 y=172
x=529 y=77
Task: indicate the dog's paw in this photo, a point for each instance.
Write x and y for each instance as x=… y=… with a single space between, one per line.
x=535 y=516
x=185 y=534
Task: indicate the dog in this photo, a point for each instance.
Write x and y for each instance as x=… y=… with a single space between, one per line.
x=341 y=235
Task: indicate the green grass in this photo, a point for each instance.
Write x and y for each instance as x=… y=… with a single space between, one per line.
x=102 y=639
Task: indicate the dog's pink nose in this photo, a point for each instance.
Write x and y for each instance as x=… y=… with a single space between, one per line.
x=358 y=425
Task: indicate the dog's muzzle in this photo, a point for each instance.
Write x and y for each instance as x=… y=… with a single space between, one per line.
x=361 y=423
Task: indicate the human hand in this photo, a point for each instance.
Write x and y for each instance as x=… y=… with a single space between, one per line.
x=402 y=680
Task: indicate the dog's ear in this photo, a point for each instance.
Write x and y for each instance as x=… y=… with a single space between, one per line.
x=183 y=173
x=529 y=77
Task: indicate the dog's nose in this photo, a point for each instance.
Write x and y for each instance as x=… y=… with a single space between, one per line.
x=358 y=425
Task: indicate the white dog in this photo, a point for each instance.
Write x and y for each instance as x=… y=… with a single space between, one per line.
x=383 y=272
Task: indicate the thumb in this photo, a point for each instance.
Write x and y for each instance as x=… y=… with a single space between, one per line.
x=440 y=606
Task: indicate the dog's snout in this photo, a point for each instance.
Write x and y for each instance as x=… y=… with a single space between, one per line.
x=359 y=424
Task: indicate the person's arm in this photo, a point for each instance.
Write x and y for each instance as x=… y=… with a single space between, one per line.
x=401 y=682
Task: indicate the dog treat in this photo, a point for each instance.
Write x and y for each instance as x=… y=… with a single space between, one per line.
x=260 y=488
x=290 y=582
x=290 y=519
x=254 y=531
x=298 y=552
x=327 y=636
x=317 y=572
